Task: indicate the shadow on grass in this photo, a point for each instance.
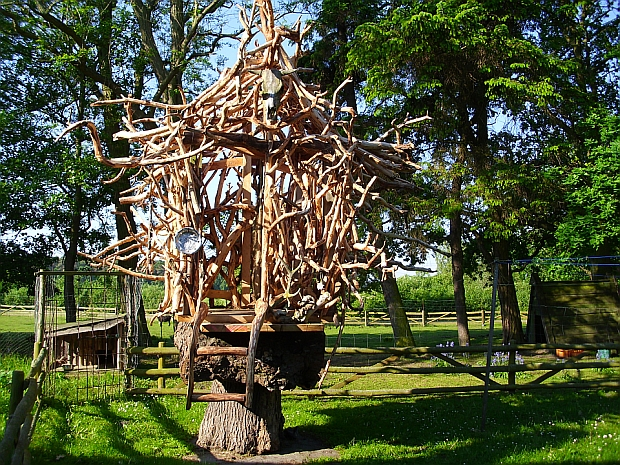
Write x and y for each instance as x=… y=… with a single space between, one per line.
x=537 y=428
x=560 y=428
x=95 y=433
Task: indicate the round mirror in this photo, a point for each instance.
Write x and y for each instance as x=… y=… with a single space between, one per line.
x=188 y=240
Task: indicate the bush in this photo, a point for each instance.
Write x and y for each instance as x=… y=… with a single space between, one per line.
x=438 y=287
x=152 y=295
x=17 y=296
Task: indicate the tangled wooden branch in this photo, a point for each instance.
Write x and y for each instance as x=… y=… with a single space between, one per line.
x=273 y=200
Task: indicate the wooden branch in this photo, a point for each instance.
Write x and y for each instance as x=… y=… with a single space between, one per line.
x=253 y=188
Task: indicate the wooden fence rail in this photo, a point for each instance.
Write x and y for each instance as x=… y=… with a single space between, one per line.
x=21 y=422
x=371 y=317
x=443 y=353
x=8 y=308
x=424 y=316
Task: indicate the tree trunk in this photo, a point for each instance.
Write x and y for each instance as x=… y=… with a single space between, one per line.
x=69 y=297
x=71 y=256
x=124 y=220
x=458 y=284
x=512 y=327
x=232 y=427
x=178 y=55
x=398 y=317
x=284 y=359
x=122 y=230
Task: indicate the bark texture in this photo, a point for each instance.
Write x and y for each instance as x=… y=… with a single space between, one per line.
x=458 y=283
x=398 y=317
x=284 y=360
x=512 y=326
x=230 y=426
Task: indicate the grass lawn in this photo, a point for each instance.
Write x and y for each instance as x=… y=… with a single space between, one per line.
x=17 y=321
x=560 y=427
x=424 y=336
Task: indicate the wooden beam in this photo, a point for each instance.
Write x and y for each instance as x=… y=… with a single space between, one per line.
x=246 y=241
x=227 y=163
x=219 y=294
x=218 y=350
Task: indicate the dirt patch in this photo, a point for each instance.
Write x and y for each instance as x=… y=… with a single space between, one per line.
x=296 y=448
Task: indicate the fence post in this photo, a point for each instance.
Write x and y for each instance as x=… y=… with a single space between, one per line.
x=423 y=314
x=17 y=391
x=161 y=381
x=39 y=314
x=482 y=315
x=13 y=426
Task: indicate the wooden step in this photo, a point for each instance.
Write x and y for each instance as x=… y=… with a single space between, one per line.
x=217 y=350
x=214 y=397
x=219 y=397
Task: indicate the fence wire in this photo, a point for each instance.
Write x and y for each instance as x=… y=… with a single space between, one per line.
x=84 y=328
x=16 y=343
x=16 y=324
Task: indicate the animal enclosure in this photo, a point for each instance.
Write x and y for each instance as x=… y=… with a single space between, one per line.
x=574 y=312
x=93 y=347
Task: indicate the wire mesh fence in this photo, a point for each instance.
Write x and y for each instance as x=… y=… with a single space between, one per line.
x=85 y=324
x=367 y=341
x=16 y=343
x=16 y=329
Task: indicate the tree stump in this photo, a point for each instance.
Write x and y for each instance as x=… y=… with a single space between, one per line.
x=284 y=360
x=232 y=427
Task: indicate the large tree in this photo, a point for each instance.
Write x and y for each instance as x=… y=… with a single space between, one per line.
x=112 y=49
x=592 y=222
x=461 y=62
x=107 y=50
x=578 y=128
x=335 y=23
x=52 y=192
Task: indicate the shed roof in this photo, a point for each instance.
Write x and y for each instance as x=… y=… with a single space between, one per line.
x=81 y=327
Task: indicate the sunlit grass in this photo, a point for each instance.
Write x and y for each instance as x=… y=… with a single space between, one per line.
x=560 y=427
x=17 y=322
x=135 y=430
x=566 y=427
x=424 y=336
x=520 y=428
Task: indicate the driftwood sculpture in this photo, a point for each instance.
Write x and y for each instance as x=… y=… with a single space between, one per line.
x=258 y=181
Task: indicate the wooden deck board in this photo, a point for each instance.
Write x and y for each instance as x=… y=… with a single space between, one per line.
x=240 y=321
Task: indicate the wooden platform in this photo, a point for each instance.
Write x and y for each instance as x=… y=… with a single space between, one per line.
x=240 y=321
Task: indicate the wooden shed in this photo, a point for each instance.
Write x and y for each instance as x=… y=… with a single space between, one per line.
x=93 y=343
x=574 y=312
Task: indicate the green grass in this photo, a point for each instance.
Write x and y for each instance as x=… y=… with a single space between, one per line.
x=424 y=336
x=137 y=431
x=564 y=427
x=11 y=322
x=561 y=427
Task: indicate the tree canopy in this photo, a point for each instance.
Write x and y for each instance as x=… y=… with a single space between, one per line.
x=57 y=58
x=520 y=159
x=494 y=79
